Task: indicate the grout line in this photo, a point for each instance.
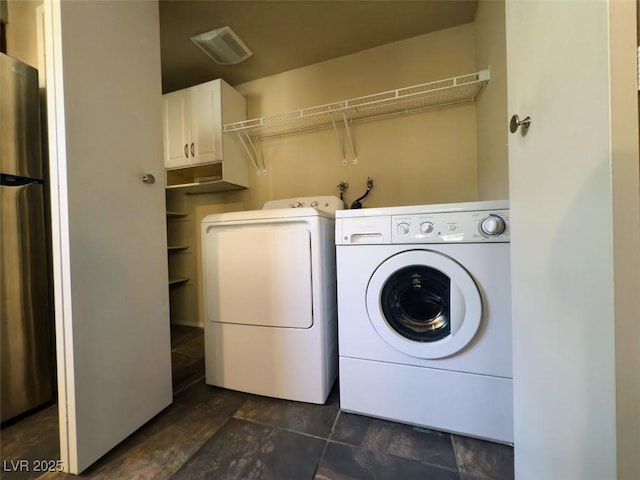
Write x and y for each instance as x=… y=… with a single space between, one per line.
x=326 y=443
x=257 y=422
x=335 y=422
x=455 y=454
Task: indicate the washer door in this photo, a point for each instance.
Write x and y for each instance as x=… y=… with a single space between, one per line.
x=424 y=304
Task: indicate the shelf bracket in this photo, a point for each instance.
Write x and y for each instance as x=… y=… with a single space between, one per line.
x=348 y=132
x=251 y=152
x=341 y=142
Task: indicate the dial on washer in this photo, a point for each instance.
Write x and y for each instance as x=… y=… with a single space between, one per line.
x=426 y=228
x=493 y=225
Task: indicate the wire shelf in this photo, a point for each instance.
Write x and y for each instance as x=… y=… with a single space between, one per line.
x=461 y=89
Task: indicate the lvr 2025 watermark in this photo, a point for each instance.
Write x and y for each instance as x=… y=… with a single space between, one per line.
x=32 y=465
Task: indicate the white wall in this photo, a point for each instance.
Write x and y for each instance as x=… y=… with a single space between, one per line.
x=421 y=158
x=491 y=110
x=22 y=31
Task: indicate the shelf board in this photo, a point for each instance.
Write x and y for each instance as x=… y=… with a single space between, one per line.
x=202 y=178
x=205 y=187
x=461 y=89
x=176 y=214
x=175 y=248
x=178 y=280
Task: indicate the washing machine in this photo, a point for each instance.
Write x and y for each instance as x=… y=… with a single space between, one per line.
x=424 y=316
x=269 y=289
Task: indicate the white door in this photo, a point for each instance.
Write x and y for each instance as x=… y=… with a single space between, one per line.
x=562 y=233
x=110 y=266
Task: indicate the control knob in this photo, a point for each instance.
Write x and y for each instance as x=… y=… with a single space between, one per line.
x=403 y=228
x=493 y=225
x=426 y=228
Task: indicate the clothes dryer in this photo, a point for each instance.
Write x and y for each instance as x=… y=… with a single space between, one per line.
x=269 y=287
x=425 y=316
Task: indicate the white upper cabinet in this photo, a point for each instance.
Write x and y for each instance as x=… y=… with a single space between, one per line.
x=193 y=124
x=177 y=136
x=205 y=122
x=197 y=154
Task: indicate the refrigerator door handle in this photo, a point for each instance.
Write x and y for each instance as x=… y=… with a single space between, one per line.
x=14 y=181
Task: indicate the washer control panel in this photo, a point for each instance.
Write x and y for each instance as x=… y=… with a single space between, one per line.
x=451 y=227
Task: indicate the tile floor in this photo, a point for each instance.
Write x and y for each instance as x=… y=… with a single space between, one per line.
x=212 y=433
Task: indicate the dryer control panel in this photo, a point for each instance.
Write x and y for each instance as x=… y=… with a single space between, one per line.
x=327 y=204
x=451 y=227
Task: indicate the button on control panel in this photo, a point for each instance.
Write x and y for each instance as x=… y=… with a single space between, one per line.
x=451 y=227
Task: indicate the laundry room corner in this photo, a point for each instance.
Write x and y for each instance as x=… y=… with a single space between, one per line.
x=425 y=158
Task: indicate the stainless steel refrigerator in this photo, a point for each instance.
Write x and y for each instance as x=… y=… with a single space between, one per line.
x=26 y=336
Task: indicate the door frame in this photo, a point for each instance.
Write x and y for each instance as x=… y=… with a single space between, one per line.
x=59 y=220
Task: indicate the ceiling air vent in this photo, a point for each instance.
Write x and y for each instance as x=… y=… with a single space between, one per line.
x=223 y=45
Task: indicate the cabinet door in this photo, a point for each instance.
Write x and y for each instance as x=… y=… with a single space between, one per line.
x=205 y=143
x=176 y=129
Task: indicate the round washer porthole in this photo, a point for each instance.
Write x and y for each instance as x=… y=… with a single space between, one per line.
x=424 y=304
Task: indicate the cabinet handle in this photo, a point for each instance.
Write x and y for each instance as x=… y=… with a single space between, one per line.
x=192 y=150
x=186 y=152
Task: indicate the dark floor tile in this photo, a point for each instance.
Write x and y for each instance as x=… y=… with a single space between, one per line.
x=301 y=417
x=156 y=450
x=426 y=446
x=245 y=450
x=345 y=462
x=159 y=448
x=185 y=370
x=193 y=346
x=181 y=334
x=482 y=459
x=211 y=399
x=55 y=475
x=34 y=438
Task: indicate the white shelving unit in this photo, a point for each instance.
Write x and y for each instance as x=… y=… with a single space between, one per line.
x=417 y=98
x=177 y=248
